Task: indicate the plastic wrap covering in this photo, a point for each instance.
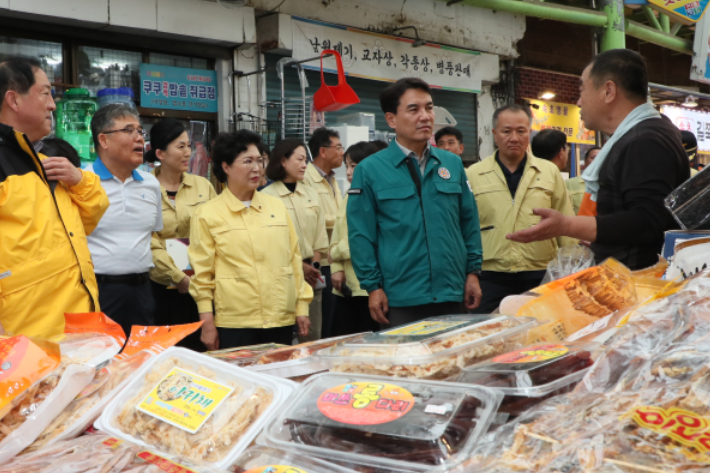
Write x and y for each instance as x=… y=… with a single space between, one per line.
x=690 y=202
x=570 y=259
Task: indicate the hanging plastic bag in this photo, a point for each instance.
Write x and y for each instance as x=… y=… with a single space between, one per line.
x=331 y=98
x=570 y=259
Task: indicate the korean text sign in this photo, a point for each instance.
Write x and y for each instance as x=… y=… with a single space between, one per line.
x=563 y=117
x=694 y=121
x=386 y=58
x=178 y=88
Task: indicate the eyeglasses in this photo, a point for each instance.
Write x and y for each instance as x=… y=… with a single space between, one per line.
x=251 y=162
x=130 y=131
x=338 y=147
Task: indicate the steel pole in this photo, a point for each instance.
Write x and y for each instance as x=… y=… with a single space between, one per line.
x=614 y=35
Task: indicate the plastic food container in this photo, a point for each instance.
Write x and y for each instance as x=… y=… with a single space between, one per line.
x=188 y=405
x=530 y=375
x=245 y=356
x=277 y=460
x=296 y=362
x=399 y=425
x=434 y=348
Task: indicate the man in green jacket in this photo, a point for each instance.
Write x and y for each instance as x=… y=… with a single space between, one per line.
x=413 y=223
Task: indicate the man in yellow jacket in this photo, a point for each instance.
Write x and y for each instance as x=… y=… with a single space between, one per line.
x=507 y=187
x=47 y=207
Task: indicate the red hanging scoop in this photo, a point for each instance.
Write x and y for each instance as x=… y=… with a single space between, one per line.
x=331 y=98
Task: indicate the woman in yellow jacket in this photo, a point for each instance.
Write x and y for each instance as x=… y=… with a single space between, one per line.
x=352 y=313
x=244 y=251
x=182 y=194
x=287 y=169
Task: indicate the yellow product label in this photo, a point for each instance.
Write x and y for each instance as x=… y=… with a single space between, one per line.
x=423 y=328
x=685 y=427
x=184 y=399
x=275 y=469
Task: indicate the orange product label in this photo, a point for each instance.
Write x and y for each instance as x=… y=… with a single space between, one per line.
x=532 y=354
x=365 y=403
x=275 y=469
x=24 y=362
x=112 y=442
x=94 y=322
x=144 y=338
x=685 y=427
x=163 y=463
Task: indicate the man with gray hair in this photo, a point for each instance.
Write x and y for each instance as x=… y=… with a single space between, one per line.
x=120 y=245
x=507 y=187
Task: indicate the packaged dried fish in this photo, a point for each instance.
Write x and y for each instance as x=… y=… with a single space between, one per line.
x=192 y=406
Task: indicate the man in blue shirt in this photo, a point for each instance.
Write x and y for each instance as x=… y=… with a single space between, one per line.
x=120 y=245
x=412 y=220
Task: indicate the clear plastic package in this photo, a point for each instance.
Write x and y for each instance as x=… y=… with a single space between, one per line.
x=401 y=425
x=298 y=362
x=532 y=374
x=688 y=203
x=277 y=460
x=434 y=348
x=245 y=356
x=87 y=406
x=189 y=405
x=99 y=453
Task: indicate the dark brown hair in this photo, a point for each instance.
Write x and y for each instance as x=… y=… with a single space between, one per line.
x=283 y=149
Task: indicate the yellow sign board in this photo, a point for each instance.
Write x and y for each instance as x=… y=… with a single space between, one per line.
x=184 y=399
x=561 y=116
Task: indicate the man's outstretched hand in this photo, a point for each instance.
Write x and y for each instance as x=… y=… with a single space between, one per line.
x=552 y=225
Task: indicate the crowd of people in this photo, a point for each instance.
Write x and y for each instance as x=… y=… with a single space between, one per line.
x=277 y=252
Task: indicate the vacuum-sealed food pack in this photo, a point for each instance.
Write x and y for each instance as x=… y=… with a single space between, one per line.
x=261 y=459
x=402 y=425
x=434 y=348
x=305 y=350
x=89 y=404
x=190 y=405
x=532 y=374
x=100 y=454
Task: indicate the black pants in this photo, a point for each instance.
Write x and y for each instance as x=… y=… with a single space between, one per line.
x=173 y=308
x=406 y=315
x=241 y=337
x=495 y=286
x=352 y=315
x=328 y=304
x=128 y=304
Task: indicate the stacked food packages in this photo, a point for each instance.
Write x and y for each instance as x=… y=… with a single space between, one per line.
x=519 y=392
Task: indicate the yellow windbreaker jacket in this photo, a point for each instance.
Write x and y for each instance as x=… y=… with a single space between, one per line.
x=541 y=186
x=340 y=252
x=247 y=262
x=193 y=192
x=45 y=264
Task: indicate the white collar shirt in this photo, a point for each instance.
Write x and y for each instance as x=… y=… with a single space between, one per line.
x=120 y=244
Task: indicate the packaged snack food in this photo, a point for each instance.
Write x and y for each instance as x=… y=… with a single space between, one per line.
x=532 y=374
x=574 y=302
x=434 y=348
x=157 y=338
x=298 y=362
x=276 y=460
x=99 y=454
x=189 y=405
x=93 y=349
x=245 y=356
x=28 y=410
x=402 y=425
x=87 y=407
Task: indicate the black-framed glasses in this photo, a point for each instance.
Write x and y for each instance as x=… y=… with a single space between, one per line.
x=129 y=130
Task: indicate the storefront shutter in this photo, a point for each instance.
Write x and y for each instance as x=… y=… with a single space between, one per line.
x=461 y=105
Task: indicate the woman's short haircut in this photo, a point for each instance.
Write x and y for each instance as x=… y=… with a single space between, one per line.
x=283 y=149
x=360 y=151
x=227 y=146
